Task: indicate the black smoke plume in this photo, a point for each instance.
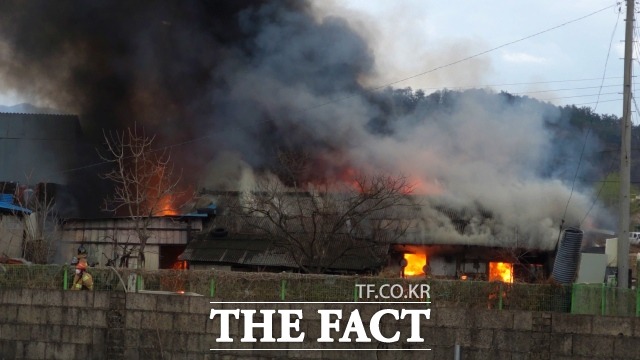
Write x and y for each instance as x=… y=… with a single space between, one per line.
x=229 y=84
x=183 y=69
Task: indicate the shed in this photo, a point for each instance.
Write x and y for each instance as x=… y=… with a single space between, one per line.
x=107 y=238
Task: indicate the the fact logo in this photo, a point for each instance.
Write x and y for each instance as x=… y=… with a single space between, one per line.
x=330 y=321
x=374 y=317
x=330 y=325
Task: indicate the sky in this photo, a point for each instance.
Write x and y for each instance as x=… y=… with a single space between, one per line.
x=429 y=42
x=431 y=45
x=241 y=79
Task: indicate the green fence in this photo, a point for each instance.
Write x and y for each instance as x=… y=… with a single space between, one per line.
x=253 y=286
x=604 y=300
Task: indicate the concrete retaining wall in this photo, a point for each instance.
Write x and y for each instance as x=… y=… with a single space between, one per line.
x=52 y=324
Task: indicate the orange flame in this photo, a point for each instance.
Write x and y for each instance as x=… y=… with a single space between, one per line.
x=180 y=265
x=501 y=271
x=165 y=206
x=415 y=264
x=418 y=185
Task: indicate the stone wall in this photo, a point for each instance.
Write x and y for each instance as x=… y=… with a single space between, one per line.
x=56 y=324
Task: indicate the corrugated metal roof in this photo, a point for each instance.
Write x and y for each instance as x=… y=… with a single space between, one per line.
x=8 y=207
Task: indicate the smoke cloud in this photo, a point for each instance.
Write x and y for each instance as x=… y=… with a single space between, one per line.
x=231 y=83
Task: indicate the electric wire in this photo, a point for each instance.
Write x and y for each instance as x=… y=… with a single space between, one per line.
x=162 y=148
x=586 y=137
x=601 y=101
x=208 y=136
x=576 y=96
x=498 y=47
x=568 y=89
x=520 y=83
x=467 y=58
x=387 y=84
x=597 y=197
x=603 y=182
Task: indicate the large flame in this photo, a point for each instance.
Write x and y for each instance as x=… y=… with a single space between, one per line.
x=501 y=271
x=415 y=264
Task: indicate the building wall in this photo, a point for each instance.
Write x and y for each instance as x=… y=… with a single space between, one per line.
x=56 y=324
x=11 y=235
x=38 y=145
x=105 y=237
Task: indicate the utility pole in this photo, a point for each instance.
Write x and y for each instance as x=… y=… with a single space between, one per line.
x=625 y=155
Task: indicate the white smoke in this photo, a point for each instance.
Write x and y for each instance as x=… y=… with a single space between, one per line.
x=271 y=75
x=479 y=154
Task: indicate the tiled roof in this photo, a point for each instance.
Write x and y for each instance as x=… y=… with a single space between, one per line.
x=231 y=250
x=244 y=250
x=272 y=258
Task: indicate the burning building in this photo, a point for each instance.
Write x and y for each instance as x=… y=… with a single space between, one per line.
x=473 y=248
x=259 y=242
x=234 y=87
x=466 y=262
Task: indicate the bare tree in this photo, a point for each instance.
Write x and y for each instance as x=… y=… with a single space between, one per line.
x=144 y=181
x=42 y=226
x=322 y=227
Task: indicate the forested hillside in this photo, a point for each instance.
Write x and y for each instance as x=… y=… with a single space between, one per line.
x=584 y=146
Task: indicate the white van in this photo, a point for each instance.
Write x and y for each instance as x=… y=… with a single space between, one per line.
x=634 y=238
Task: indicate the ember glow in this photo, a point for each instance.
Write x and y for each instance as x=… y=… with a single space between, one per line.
x=180 y=265
x=415 y=264
x=501 y=271
x=166 y=207
x=423 y=186
x=244 y=76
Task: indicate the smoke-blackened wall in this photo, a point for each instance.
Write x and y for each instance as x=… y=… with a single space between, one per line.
x=232 y=83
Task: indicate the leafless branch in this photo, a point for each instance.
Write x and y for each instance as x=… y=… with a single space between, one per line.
x=145 y=183
x=320 y=226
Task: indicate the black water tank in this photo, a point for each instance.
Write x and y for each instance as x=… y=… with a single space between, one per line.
x=568 y=256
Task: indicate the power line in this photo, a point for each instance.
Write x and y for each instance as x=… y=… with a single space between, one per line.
x=568 y=89
x=601 y=101
x=390 y=83
x=576 y=96
x=604 y=182
x=162 y=148
x=584 y=145
x=331 y=101
x=497 y=47
x=520 y=83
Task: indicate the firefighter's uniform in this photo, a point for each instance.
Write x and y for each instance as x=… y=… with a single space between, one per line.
x=82 y=280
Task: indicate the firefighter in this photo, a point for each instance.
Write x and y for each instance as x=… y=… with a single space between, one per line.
x=82 y=280
x=82 y=254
